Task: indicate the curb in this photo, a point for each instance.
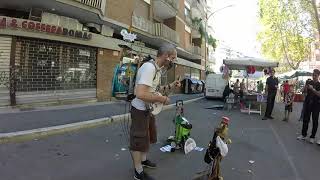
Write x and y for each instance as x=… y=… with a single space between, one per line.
x=20 y=136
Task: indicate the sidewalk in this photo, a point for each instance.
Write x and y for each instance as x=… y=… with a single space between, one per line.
x=54 y=116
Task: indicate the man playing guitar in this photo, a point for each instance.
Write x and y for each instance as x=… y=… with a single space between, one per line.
x=143 y=129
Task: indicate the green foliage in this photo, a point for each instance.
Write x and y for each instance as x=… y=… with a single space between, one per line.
x=209 y=70
x=197 y=24
x=287 y=30
x=213 y=42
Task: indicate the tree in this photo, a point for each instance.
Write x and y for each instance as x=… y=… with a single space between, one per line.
x=287 y=30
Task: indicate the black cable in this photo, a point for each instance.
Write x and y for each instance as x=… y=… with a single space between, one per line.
x=125 y=123
x=128 y=120
x=122 y=127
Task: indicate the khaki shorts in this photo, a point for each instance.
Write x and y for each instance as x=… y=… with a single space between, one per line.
x=142 y=131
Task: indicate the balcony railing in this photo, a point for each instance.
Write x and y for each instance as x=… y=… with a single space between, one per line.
x=142 y=24
x=94 y=4
x=98 y=4
x=166 y=32
x=198 y=10
x=197 y=50
x=156 y=29
x=194 y=50
x=173 y=3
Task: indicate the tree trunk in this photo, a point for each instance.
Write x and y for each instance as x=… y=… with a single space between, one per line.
x=314 y=5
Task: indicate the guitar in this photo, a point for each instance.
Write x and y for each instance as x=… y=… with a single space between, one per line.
x=157 y=107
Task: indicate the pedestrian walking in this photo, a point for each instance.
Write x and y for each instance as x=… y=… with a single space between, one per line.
x=312 y=107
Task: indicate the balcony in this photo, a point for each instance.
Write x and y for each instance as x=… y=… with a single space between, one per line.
x=142 y=24
x=194 y=50
x=83 y=10
x=164 y=31
x=155 y=29
x=198 y=10
x=95 y=4
x=195 y=33
x=165 y=9
x=92 y=3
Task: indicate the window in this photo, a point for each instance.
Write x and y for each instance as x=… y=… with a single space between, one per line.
x=187 y=12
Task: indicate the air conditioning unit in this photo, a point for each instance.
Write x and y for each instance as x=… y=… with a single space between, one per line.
x=107 y=31
x=96 y=28
x=35 y=14
x=85 y=28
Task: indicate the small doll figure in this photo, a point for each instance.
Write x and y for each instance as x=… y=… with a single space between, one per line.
x=217 y=149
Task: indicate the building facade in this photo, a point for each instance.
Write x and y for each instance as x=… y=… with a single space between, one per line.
x=60 y=50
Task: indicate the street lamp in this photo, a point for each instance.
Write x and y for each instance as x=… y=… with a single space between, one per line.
x=231 y=5
x=206 y=30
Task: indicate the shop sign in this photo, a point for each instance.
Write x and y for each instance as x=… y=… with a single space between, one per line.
x=127 y=36
x=16 y=23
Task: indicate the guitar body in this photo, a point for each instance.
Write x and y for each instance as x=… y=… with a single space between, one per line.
x=157 y=107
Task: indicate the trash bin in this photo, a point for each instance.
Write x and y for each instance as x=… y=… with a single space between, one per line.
x=199 y=87
x=190 y=85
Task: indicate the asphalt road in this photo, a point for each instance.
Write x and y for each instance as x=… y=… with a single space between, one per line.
x=98 y=153
x=26 y=120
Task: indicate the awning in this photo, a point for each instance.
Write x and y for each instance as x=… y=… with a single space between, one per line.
x=295 y=73
x=193 y=81
x=301 y=73
x=199 y=82
x=242 y=73
x=243 y=63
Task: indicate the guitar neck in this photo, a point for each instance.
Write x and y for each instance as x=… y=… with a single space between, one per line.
x=167 y=91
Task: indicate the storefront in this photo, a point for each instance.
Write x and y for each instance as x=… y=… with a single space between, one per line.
x=55 y=63
x=5 y=51
x=42 y=69
x=52 y=70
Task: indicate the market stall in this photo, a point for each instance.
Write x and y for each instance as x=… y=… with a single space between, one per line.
x=251 y=101
x=298 y=79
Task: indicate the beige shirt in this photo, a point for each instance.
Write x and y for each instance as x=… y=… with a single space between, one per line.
x=150 y=76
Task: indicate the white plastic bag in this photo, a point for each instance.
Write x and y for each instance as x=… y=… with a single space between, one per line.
x=223 y=147
x=189 y=145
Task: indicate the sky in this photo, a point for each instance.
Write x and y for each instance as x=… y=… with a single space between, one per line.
x=235 y=27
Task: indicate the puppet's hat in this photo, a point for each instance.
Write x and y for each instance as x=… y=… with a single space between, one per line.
x=225 y=120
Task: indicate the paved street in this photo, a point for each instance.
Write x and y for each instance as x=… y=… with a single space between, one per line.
x=97 y=153
x=53 y=116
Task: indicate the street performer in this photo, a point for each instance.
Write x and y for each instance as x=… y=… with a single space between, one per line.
x=143 y=128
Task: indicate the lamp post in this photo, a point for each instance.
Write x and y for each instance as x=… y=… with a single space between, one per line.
x=206 y=30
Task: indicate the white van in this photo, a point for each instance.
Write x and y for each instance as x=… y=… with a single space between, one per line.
x=214 y=86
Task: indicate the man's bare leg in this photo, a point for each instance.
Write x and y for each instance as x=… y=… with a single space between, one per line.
x=137 y=158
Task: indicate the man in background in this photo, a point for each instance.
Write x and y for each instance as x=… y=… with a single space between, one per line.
x=271 y=91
